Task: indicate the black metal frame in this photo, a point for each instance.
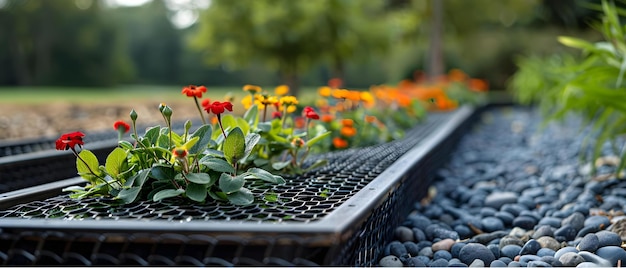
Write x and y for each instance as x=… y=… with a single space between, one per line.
x=353 y=234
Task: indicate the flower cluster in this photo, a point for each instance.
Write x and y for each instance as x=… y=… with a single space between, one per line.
x=274 y=136
x=164 y=164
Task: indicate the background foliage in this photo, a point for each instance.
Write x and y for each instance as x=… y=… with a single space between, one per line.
x=90 y=43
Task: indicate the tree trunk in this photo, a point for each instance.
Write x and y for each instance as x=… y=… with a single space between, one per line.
x=435 y=64
x=290 y=77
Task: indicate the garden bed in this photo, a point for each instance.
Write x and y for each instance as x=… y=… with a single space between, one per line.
x=340 y=214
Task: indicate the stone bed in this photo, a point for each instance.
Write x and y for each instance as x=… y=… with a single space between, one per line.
x=515 y=194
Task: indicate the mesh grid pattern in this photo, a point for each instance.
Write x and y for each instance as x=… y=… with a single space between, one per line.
x=303 y=200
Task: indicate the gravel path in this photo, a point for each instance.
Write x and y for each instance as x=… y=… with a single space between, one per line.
x=515 y=194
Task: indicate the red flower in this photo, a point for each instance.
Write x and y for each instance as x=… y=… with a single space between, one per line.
x=277 y=115
x=216 y=107
x=194 y=91
x=310 y=113
x=335 y=83
x=69 y=140
x=121 y=124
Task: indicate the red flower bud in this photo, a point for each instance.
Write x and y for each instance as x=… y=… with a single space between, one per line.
x=121 y=125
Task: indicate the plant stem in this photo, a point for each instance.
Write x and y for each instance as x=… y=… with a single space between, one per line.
x=199 y=110
x=219 y=120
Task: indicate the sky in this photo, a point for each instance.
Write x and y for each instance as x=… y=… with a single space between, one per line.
x=184 y=11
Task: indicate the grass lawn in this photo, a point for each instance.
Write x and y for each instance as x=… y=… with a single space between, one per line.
x=130 y=93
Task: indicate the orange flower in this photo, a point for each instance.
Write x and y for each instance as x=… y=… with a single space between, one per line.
x=340 y=93
x=252 y=88
x=348 y=131
x=194 y=91
x=445 y=103
x=353 y=95
x=179 y=152
x=327 y=118
x=370 y=118
x=347 y=122
x=478 y=85
x=340 y=143
x=299 y=122
x=456 y=75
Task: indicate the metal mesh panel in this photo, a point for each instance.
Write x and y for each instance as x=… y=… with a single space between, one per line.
x=303 y=198
x=319 y=218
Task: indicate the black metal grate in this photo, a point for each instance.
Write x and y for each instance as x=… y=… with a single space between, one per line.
x=303 y=198
x=340 y=214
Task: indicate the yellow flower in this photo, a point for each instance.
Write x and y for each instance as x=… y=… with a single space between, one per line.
x=252 y=89
x=367 y=98
x=281 y=90
x=288 y=100
x=247 y=102
x=264 y=100
x=324 y=91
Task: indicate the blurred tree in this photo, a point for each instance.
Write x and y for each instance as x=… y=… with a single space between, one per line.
x=154 y=45
x=290 y=36
x=58 y=42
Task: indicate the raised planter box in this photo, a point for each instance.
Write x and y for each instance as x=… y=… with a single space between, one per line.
x=341 y=214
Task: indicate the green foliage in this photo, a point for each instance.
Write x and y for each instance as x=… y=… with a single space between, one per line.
x=591 y=87
x=163 y=164
x=290 y=36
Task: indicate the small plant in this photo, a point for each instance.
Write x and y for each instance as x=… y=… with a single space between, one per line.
x=591 y=87
x=164 y=164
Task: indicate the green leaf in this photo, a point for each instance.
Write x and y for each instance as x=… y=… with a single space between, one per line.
x=264 y=175
x=251 y=140
x=190 y=143
x=164 y=141
x=128 y=195
x=270 y=197
x=280 y=165
x=199 y=178
x=152 y=134
x=204 y=135
x=234 y=146
x=317 y=138
x=125 y=145
x=220 y=196
x=230 y=184
x=167 y=193
x=217 y=164
x=138 y=179
x=265 y=126
x=228 y=121
x=241 y=197
x=252 y=116
x=163 y=173
x=243 y=125
x=115 y=162
x=576 y=43
x=91 y=164
x=196 y=192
